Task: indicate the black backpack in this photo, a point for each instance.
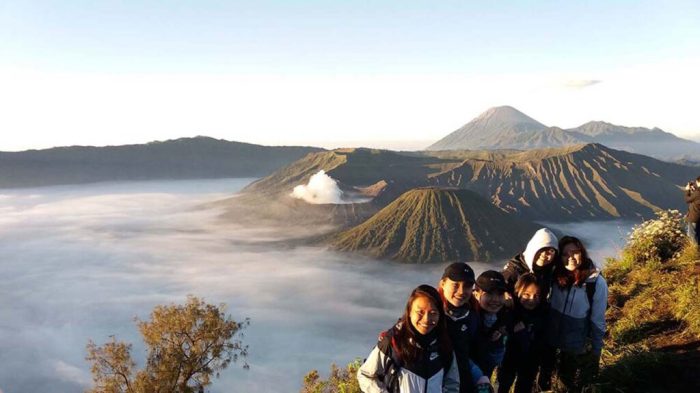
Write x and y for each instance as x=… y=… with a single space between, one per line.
x=393 y=363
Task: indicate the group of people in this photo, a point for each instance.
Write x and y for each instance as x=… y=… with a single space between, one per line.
x=538 y=324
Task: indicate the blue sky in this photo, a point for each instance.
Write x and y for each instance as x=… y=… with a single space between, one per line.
x=357 y=63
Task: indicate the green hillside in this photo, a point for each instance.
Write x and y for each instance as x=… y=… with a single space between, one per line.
x=437 y=225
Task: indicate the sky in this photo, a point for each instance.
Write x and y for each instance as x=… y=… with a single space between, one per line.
x=392 y=74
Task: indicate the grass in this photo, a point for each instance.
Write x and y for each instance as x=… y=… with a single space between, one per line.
x=653 y=338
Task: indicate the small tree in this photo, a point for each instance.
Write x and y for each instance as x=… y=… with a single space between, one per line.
x=339 y=381
x=186 y=346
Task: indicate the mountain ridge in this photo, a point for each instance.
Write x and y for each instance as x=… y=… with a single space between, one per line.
x=182 y=158
x=576 y=182
x=508 y=133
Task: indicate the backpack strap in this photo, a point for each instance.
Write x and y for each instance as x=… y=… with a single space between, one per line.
x=590 y=292
x=392 y=363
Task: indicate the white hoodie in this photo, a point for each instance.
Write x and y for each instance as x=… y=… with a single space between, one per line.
x=541 y=239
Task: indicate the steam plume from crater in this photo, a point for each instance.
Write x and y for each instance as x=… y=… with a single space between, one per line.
x=320 y=189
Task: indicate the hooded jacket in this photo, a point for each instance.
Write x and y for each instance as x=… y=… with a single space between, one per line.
x=524 y=262
x=426 y=375
x=573 y=320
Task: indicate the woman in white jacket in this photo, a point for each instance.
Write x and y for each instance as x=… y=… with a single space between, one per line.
x=577 y=315
x=414 y=356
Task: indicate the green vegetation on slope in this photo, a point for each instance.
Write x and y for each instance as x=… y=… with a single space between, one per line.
x=653 y=342
x=437 y=225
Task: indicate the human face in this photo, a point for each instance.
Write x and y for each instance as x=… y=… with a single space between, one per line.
x=457 y=293
x=424 y=315
x=530 y=297
x=571 y=256
x=545 y=256
x=491 y=301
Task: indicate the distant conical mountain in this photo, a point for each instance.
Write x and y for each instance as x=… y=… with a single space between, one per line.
x=492 y=129
x=507 y=128
x=437 y=225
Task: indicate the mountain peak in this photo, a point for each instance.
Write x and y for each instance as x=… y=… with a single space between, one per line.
x=490 y=129
x=507 y=115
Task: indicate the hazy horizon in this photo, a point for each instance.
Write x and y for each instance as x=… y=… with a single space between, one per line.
x=384 y=145
x=305 y=72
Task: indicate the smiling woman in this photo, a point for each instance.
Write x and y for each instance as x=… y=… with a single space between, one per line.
x=577 y=317
x=416 y=354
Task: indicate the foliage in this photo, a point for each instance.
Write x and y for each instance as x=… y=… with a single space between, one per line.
x=339 y=380
x=654 y=315
x=186 y=346
x=659 y=239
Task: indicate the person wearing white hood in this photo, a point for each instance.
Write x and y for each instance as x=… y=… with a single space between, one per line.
x=537 y=258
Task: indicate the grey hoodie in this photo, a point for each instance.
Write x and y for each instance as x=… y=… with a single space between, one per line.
x=573 y=320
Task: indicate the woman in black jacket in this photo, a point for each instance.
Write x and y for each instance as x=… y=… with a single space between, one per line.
x=456 y=288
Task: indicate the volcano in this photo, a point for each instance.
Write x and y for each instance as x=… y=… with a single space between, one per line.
x=436 y=225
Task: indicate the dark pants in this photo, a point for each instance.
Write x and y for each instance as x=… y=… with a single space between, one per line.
x=521 y=365
x=549 y=360
x=576 y=371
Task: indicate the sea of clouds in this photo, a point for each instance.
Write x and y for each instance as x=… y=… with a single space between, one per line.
x=80 y=262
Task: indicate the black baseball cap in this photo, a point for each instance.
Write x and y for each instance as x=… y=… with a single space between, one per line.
x=459 y=271
x=491 y=280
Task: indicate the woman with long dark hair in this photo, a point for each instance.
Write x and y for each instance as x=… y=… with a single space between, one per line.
x=414 y=356
x=577 y=316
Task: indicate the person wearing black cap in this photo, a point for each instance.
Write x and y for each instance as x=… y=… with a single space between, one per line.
x=456 y=287
x=495 y=320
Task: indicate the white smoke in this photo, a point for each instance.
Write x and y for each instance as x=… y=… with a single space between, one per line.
x=321 y=189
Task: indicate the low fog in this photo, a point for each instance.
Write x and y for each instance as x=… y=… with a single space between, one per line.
x=80 y=262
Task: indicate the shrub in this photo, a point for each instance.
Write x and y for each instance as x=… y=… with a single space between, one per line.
x=187 y=346
x=339 y=380
x=658 y=239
